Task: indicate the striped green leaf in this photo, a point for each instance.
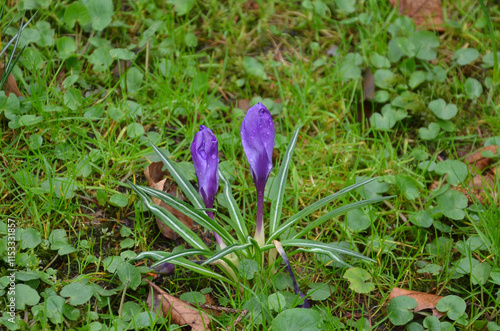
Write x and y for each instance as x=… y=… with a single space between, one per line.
x=171 y=221
x=278 y=187
x=199 y=216
x=228 y=250
x=234 y=210
x=312 y=208
x=338 y=211
x=186 y=187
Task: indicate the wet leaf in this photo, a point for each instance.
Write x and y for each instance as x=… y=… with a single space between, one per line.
x=426 y=13
x=423 y=300
x=452 y=305
x=180 y=311
x=399 y=309
x=359 y=280
x=154 y=175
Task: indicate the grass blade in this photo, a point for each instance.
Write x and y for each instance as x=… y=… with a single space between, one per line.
x=315 y=206
x=170 y=220
x=183 y=183
x=196 y=215
x=278 y=188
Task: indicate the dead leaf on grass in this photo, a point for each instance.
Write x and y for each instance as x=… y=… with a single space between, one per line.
x=180 y=311
x=479 y=160
x=424 y=300
x=10 y=85
x=154 y=175
x=425 y=13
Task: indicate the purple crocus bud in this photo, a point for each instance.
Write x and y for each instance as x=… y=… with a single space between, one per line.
x=204 y=152
x=257 y=137
x=205 y=155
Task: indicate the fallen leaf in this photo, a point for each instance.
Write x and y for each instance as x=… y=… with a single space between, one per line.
x=366 y=107
x=154 y=175
x=180 y=311
x=243 y=104
x=425 y=13
x=10 y=85
x=478 y=160
x=424 y=300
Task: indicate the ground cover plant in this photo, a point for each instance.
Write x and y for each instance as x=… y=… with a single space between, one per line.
x=96 y=93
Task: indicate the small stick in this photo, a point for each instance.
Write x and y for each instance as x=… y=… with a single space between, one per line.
x=244 y=312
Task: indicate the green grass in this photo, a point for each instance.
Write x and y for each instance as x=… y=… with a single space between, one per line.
x=84 y=123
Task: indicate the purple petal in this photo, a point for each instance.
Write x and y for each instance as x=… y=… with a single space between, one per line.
x=204 y=152
x=257 y=137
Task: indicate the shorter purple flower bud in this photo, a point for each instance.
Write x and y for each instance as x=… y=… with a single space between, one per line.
x=205 y=155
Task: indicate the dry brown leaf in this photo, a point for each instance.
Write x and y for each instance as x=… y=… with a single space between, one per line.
x=10 y=85
x=478 y=160
x=243 y=104
x=180 y=311
x=425 y=13
x=424 y=300
x=154 y=176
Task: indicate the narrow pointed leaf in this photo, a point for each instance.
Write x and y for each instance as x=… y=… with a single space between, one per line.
x=278 y=188
x=315 y=206
x=171 y=221
x=186 y=253
x=234 y=210
x=330 y=254
x=199 y=216
x=228 y=250
x=338 y=211
x=311 y=244
x=186 y=187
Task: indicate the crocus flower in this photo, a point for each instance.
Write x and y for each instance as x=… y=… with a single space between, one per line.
x=257 y=137
x=204 y=152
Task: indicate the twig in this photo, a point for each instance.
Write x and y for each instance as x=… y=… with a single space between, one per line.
x=244 y=312
x=50 y=263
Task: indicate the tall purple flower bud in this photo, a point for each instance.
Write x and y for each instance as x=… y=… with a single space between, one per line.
x=257 y=137
x=204 y=152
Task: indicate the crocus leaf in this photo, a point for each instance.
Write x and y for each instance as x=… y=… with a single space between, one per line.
x=170 y=220
x=196 y=215
x=227 y=250
x=234 y=210
x=187 y=252
x=186 y=187
x=315 y=206
x=278 y=188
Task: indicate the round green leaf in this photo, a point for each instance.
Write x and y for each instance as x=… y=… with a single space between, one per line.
x=129 y=275
x=135 y=130
x=480 y=273
x=254 y=68
x=452 y=204
x=122 y=54
x=417 y=78
x=54 y=311
x=35 y=141
x=408 y=186
x=100 y=13
x=442 y=110
x=379 y=61
x=76 y=12
x=473 y=88
x=298 y=319
x=276 y=302
x=358 y=220
x=384 y=78
x=30 y=238
x=423 y=219
x=66 y=47
x=248 y=268
x=429 y=133
x=320 y=291
x=457 y=171
x=78 y=293
x=400 y=309
x=452 y=305
x=465 y=56
x=358 y=278
x=25 y=296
